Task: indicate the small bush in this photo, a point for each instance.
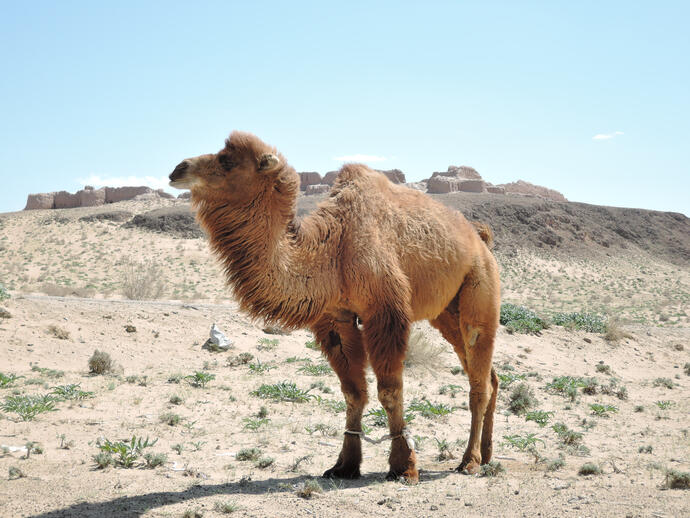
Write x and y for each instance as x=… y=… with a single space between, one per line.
x=519 y=319
x=264 y=462
x=521 y=442
x=556 y=464
x=602 y=410
x=590 y=322
x=15 y=473
x=566 y=386
x=566 y=435
x=589 y=468
x=313 y=345
x=260 y=368
x=686 y=369
x=267 y=344
x=154 y=460
x=676 y=480
x=283 y=391
x=127 y=452
x=170 y=419
x=199 y=379
x=491 y=469
x=4 y=294
x=8 y=379
x=253 y=423
x=58 y=332
x=645 y=449
x=142 y=280
x=28 y=407
x=603 y=368
x=429 y=409
x=664 y=382
x=226 y=507
x=539 y=416
x=614 y=332
x=315 y=369
x=422 y=353
x=103 y=460
x=521 y=399
x=248 y=454
x=100 y=362
x=71 y=392
x=309 y=489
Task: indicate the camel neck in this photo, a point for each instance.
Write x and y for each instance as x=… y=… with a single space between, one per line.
x=274 y=266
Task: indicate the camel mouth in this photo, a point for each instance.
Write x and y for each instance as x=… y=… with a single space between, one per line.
x=180 y=177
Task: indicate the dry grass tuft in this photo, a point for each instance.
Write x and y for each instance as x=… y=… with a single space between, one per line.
x=58 y=332
x=614 y=332
x=421 y=353
x=142 y=280
x=100 y=362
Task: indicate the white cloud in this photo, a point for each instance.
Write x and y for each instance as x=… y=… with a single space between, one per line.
x=360 y=158
x=160 y=182
x=606 y=136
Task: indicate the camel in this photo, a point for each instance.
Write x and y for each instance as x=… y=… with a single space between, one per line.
x=367 y=263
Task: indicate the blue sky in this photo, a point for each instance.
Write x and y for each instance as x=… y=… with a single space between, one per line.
x=120 y=92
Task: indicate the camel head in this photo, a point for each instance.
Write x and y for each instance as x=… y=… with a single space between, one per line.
x=243 y=169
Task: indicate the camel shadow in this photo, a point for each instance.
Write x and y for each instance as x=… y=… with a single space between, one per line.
x=134 y=506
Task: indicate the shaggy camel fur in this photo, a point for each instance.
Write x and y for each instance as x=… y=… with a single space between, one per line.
x=374 y=252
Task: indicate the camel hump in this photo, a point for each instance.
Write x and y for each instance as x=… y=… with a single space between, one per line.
x=484 y=232
x=350 y=172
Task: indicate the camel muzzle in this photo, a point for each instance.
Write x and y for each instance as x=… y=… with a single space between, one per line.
x=179 y=175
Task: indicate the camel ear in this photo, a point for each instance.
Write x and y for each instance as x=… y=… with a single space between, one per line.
x=268 y=162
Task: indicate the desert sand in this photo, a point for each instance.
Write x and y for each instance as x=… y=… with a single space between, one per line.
x=65 y=278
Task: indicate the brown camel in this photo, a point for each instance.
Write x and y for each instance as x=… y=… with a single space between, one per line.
x=374 y=253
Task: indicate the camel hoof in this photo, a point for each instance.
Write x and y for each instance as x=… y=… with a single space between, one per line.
x=342 y=472
x=409 y=476
x=468 y=467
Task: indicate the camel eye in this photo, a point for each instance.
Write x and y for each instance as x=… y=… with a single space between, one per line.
x=226 y=162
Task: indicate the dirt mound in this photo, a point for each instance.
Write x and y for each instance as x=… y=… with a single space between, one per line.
x=176 y=221
x=530 y=189
x=566 y=228
x=110 y=215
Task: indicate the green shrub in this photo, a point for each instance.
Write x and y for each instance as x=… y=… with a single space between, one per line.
x=589 y=468
x=127 y=452
x=539 y=416
x=429 y=409
x=521 y=442
x=602 y=410
x=248 y=454
x=677 y=479
x=521 y=399
x=8 y=379
x=491 y=469
x=566 y=435
x=283 y=391
x=199 y=379
x=590 y=322
x=28 y=407
x=519 y=319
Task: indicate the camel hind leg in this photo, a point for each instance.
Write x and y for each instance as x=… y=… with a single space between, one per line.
x=469 y=323
x=341 y=343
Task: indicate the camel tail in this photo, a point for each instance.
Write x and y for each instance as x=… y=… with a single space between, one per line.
x=484 y=232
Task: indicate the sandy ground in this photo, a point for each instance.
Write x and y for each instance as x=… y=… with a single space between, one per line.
x=47 y=342
x=212 y=428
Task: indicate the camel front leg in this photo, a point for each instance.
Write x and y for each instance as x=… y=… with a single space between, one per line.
x=386 y=341
x=341 y=343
